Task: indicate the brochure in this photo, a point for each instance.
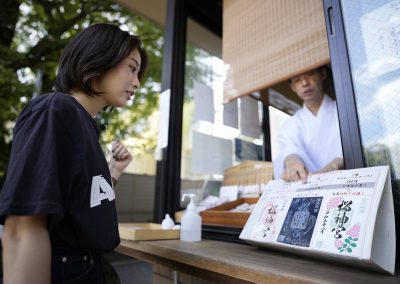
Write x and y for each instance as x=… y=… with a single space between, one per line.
x=345 y=215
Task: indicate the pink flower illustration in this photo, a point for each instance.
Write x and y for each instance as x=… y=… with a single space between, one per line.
x=338 y=243
x=332 y=203
x=354 y=232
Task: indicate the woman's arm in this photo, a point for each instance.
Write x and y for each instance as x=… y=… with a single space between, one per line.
x=26 y=250
x=119 y=161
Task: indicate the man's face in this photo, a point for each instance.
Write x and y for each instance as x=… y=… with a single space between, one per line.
x=308 y=86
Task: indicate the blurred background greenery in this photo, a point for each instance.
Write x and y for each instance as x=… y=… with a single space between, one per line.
x=33 y=35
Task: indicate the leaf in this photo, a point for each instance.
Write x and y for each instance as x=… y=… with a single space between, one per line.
x=345 y=245
x=347 y=241
x=353 y=245
x=341 y=250
x=355 y=239
x=350 y=238
x=349 y=250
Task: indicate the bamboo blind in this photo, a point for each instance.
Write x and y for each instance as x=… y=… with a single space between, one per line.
x=268 y=41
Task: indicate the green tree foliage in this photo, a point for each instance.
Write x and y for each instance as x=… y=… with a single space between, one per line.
x=33 y=35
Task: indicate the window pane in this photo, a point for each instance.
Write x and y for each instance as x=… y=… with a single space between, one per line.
x=373 y=37
x=209 y=146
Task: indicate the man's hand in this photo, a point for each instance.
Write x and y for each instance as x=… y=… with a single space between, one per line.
x=294 y=169
x=120 y=159
x=334 y=165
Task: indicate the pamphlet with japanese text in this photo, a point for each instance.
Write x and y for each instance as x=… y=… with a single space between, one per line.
x=345 y=215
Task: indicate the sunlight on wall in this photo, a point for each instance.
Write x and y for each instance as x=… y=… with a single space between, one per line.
x=277 y=118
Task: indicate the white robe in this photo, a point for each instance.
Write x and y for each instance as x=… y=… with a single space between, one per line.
x=315 y=139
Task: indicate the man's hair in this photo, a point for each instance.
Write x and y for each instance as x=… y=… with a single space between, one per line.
x=318 y=69
x=91 y=53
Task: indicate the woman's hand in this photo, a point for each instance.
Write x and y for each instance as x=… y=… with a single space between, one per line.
x=120 y=159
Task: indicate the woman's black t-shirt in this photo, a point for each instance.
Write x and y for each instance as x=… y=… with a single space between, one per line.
x=58 y=168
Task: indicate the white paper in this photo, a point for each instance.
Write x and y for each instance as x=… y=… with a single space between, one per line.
x=231 y=112
x=163 y=123
x=249 y=119
x=333 y=214
x=252 y=190
x=204 y=102
x=211 y=155
x=229 y=192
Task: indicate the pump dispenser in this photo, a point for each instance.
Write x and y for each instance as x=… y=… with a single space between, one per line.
x=190 y=222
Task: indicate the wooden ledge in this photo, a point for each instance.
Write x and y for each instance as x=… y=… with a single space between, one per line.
x=236 y=263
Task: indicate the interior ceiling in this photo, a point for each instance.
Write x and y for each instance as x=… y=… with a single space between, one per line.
x=204 y=23
x=208 y=13
x=153 y=10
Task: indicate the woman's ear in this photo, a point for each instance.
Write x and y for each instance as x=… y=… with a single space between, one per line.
x=96 y=82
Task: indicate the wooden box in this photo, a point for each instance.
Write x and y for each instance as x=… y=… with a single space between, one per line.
x=145 y=231
x=249 y=173
x=220 y=215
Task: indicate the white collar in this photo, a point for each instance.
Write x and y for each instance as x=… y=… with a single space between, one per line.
x=326 y=101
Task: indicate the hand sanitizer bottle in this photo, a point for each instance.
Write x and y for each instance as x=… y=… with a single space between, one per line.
x=190 y=222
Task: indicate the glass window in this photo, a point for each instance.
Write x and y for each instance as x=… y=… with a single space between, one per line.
x=209 y=146
x=372 y=31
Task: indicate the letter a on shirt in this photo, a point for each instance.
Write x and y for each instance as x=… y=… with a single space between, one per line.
x=100 y=190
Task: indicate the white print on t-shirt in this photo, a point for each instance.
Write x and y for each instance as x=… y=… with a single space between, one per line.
x=100 y=190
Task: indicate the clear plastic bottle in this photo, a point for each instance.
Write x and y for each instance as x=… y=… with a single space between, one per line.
x=190 y=222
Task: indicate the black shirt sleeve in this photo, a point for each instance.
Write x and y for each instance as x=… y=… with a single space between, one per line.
x=40 y=165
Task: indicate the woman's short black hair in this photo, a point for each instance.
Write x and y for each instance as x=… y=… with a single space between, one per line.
x=91 y=53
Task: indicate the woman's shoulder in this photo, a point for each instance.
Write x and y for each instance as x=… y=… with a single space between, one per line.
x=47 y=106
x=61 y=103
x=56 y=101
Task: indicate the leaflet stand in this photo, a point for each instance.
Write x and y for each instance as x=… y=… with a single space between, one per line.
x=346 y=216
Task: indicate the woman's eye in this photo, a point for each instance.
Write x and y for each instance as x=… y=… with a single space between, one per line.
x=133 y=68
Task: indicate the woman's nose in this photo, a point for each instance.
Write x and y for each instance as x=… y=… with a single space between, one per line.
x=136 y=82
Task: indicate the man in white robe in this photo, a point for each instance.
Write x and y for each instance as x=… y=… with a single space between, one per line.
x=310 y=140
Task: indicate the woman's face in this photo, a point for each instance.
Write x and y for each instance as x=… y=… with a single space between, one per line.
x=118 y=85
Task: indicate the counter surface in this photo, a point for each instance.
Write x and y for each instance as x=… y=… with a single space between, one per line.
x=238 y=263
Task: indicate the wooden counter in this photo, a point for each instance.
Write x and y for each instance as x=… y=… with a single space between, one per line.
x=224 y=262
